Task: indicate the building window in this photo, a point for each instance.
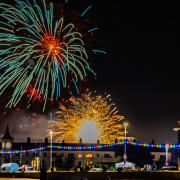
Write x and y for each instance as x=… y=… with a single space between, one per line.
x=97 y=155
x=162 y=158
x=54 y=154
x=18 y=155
x=62 y=154
x=35 y=154
x=107 y=156
x=79 y=155
x=44 y=154
x=89 y=156
x=34 y=163
x=27 y=154
x=71 y=155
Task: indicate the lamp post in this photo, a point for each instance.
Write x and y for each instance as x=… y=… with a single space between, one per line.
x=125 y=132
x=177 y=129
x=21 y=157
x=167 y=149
x=51 y=133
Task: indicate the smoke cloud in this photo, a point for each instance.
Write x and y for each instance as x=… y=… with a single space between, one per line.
x=23 y=125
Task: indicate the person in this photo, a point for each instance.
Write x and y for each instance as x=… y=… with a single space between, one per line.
x=154 y=166
x=81 y=168
x=23 y=169
x=105 y=167
x=52 y=169
x=147 y=167
x=86 y=168
x=43 y=172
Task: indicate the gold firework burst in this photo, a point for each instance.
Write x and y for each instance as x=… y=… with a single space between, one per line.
x=87 y=107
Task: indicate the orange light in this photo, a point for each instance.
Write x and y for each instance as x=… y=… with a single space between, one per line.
x=50 y=43
x=79 y=155
x=89 y=155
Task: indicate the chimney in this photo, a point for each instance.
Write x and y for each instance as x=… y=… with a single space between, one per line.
x=46 y=140
x=80 y=141
x=28 y=140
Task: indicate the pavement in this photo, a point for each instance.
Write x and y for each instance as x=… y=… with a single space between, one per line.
x=17 y=179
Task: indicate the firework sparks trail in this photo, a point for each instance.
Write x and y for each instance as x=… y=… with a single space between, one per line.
x=38 y=51
x=87 y=107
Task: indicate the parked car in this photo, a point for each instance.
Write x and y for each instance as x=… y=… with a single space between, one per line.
x=125 y=165
x=96 y=169
x=168 y=168
x=9 y=167
x=26 y=168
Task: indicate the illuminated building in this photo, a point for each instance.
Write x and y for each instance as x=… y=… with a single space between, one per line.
x=71 y=156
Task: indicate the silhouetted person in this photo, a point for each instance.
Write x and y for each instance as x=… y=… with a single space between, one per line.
x=81 y=168
x=23 y=169
x=105 y=168
x=43 y=173
x=86 y=168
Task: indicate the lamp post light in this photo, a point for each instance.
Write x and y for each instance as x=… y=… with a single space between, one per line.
x=51 y=133
x=125 y=132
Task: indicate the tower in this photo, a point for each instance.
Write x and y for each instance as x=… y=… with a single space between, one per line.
x=7 y=141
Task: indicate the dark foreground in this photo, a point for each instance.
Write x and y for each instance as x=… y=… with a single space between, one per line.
x=96 y=175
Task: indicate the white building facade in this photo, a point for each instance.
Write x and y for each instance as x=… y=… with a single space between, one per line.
x=34 y=154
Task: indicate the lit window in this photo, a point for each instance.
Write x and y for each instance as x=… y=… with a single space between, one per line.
x=107 y=156
x=89 y=156
x=79 y=155
x=34 y=163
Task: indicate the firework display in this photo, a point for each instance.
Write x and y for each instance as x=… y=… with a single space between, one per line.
x=39 y=53
x=87 y=107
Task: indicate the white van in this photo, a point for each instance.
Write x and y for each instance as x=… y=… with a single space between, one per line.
x=9 y=167
x=125 y=165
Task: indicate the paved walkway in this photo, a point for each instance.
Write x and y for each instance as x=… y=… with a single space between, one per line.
x=17 y=179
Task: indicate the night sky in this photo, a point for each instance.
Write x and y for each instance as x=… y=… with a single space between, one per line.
x=141 y=69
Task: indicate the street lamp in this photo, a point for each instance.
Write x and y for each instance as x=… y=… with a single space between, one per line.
x=125 y=132
x=51 y=133
x=177 y=129
x=167 y=149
